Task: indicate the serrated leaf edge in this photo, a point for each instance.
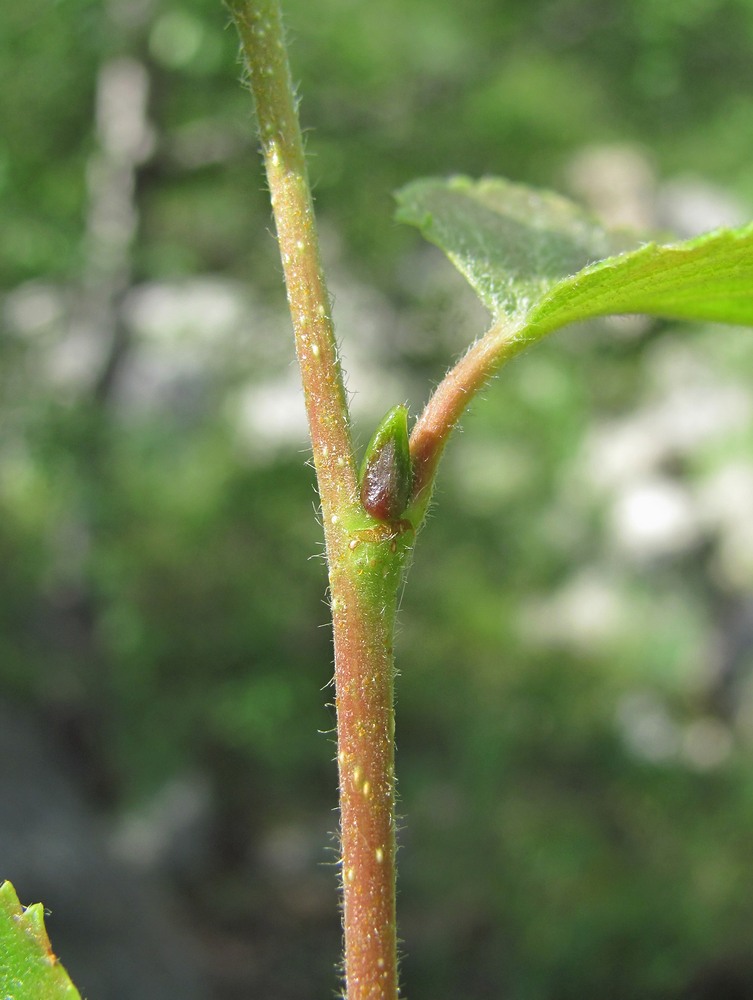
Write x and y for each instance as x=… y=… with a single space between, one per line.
x=531 y=329
x=30 y=921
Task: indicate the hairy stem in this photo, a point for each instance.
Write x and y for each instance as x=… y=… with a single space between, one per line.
x=365 y=560
x=364 y=675
x=446 y=405
x=259 y=24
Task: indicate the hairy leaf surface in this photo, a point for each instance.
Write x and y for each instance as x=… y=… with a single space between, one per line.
x=542 y=262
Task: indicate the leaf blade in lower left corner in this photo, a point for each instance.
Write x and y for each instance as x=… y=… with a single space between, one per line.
x=29 y=969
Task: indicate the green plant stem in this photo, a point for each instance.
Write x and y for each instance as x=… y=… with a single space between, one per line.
x=447 y=403
x=365 y=562
x=259 y=24
x=365 y=721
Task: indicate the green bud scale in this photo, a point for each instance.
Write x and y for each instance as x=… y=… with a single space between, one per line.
x=386 y=473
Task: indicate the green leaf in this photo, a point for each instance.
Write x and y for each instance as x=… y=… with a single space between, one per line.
x=28 y=968
x=541 y=262
x=709 y=278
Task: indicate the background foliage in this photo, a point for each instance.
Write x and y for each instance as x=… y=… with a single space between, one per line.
x=575 y=706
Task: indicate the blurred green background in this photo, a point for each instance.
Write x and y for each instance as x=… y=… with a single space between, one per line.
x=575 y=700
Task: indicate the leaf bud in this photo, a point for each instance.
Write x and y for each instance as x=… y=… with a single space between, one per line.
x=386 y=473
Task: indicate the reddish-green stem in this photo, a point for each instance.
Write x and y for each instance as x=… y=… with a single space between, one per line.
x=365 y=557
x=259 y=25
x=365 y=561
x=365 y=720
x=446 y=405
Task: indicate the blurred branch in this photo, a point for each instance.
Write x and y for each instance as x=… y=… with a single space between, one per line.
x=125 y=143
